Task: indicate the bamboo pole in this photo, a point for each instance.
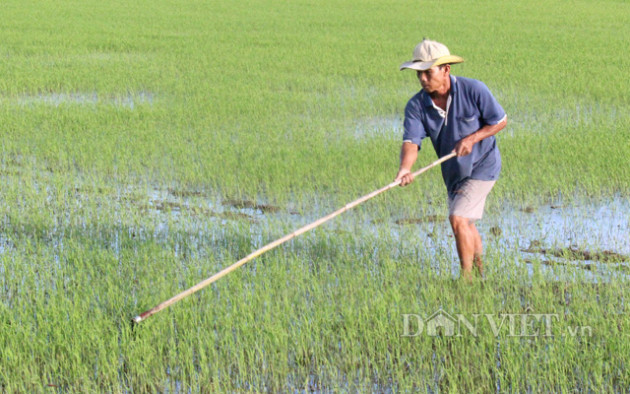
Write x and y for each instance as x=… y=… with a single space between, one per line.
x=278 y=242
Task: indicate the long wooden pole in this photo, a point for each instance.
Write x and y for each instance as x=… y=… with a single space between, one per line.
x=278 y=242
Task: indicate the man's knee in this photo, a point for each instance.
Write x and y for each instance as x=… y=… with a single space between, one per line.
x=460 y=224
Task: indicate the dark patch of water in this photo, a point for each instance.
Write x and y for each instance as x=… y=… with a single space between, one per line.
x=573 y=253
x=186 y=193
x=496 y=231
x=240 y=204
x=425 y=219
x=581 y=265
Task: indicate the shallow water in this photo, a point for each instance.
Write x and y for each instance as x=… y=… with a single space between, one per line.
x=581 y=224
x=508 y=230
x=387 y=126
x=129 y=100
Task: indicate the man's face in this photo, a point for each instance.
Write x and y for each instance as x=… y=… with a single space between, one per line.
x=433 y=78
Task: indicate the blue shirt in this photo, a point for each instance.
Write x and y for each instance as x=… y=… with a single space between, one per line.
x=472 y=107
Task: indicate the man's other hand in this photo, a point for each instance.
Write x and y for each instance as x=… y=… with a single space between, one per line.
x=405 y=176
x=464 y=146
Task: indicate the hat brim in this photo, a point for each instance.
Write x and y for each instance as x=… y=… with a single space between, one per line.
x=423 y=66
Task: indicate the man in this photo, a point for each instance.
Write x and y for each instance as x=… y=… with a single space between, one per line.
x=461 y=115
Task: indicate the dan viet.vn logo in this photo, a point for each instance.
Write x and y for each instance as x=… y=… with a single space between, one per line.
x=528 y=324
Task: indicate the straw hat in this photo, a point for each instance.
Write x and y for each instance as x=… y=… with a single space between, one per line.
x=428 y=54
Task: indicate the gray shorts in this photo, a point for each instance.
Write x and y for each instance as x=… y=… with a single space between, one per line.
x=469 y=199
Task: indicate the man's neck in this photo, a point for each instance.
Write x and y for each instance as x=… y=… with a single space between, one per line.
x=442 y=92
x=440 y=96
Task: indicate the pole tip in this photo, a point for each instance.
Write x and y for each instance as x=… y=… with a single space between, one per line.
x=137 y=319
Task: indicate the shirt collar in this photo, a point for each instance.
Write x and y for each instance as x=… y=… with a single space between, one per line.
x=453 y=85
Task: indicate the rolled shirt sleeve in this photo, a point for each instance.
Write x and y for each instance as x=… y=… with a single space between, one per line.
x=414 y=129
x=490 y=110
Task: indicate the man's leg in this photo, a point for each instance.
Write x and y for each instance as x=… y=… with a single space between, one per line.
x=477 y=260
x=465 y=206
x=468 y=243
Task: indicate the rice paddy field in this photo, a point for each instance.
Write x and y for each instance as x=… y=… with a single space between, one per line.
x=148 y=145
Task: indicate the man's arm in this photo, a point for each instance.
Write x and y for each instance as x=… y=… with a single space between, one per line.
x=465 y=145
x=408 y=156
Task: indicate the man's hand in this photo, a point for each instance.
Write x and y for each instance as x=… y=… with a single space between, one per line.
x=408 y=156
x=405 y=176
x=464 y=146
